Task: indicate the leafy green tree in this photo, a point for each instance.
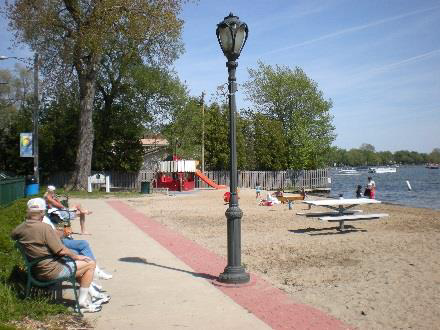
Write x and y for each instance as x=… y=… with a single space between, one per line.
x=15 y=118
x=293 y=99
x=337 y=156
x=126 y=109
x=356 y=157
x=59 y=134
x=434 y=156
x=386 y=157
x=246 y=146
x=403 y=157
x=186 y=130
x=367 y=147
x=417 y=158
x=245 y=153
x=216 y=138
x=270 y=145
x=10 y=160
x=73 y=34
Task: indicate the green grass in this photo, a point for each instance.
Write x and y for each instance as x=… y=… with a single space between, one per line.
x=94 y=194
x=12 y=304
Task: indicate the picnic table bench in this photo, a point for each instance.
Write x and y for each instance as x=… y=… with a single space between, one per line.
x=328 y=213
x=352 y=217
x=342 y=210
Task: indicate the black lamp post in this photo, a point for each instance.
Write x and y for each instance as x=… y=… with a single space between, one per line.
x=232 y=35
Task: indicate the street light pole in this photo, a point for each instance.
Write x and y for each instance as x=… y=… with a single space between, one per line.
x=232 y=35
x=35 y=120
x=203 y=132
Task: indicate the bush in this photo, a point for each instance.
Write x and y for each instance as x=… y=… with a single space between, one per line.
x=12 y=304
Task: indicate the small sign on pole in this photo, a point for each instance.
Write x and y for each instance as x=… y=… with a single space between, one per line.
x=26 y=143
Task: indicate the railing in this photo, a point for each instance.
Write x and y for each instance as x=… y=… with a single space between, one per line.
x=11 y=189
x=272 y=180
x=269 y=180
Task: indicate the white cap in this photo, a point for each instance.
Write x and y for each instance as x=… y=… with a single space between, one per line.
x=50 y=188
x=36 y=204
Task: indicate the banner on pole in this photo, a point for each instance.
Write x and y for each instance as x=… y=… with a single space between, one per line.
x=26 y=145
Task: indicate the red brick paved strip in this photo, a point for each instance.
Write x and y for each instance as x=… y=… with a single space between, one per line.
x=268 y=303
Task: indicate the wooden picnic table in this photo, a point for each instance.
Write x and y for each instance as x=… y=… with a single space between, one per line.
x=342 y=210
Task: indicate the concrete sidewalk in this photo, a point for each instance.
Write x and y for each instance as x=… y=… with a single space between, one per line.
x=163 y=281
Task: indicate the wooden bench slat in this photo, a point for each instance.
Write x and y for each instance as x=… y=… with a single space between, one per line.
x=354 y=217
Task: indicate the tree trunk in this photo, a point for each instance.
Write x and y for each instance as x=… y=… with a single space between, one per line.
x=83 y=164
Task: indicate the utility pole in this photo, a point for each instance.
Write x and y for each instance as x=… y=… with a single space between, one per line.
x=203 y=132
x=35 y=120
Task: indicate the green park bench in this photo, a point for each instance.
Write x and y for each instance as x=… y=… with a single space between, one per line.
x=31 y=280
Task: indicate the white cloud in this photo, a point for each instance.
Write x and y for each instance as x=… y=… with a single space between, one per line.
x=351 y=30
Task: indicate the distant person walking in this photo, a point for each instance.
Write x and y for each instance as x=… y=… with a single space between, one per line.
x=359 y=191
x=371 y=187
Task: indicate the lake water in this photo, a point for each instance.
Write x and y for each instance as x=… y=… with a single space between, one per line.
x=392 y=187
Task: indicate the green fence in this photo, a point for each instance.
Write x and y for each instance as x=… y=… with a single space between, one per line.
x=11 y=189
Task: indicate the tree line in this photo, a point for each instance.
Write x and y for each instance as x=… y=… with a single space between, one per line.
x=366 y=155
x=275 y=134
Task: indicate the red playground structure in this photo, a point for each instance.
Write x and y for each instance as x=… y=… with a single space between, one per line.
x=179 y=175
x=176 y=175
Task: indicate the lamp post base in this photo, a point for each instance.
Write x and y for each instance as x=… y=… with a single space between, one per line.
x=234 y=275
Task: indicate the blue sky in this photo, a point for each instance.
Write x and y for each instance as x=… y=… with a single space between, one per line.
x=379 y=61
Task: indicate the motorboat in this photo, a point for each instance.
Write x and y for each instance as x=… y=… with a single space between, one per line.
x=433 y=166
x=380 y=170
x=348 y=172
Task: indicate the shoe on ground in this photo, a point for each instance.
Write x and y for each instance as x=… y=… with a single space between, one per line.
x=88 y=307
x=97 y=286
x=100 y=299
x=103 y=275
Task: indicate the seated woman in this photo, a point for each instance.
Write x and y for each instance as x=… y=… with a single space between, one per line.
x=55 y=205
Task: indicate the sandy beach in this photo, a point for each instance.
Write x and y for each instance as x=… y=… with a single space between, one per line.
x=380 y=274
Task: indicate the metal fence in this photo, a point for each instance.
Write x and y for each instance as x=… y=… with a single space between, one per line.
x=272 y=180
x=268 y=180
x=11 y=189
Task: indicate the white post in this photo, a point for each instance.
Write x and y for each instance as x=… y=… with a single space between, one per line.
x=89 y=184
x=107 y=184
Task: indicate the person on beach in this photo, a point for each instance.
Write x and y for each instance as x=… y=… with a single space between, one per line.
x=55 y=205
x=258 y=191
x=371 y=186
x=359 y=191
x=39 y=240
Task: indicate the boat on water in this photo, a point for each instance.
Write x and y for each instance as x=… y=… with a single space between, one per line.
x=380 y=170
x=348 y=172
x=433 y=166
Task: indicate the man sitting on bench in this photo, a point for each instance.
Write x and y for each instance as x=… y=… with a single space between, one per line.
x=39 y=240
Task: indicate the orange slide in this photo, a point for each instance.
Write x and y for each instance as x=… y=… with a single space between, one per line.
x=208 y=181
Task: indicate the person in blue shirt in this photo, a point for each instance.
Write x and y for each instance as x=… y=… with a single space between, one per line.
x=258 y=191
